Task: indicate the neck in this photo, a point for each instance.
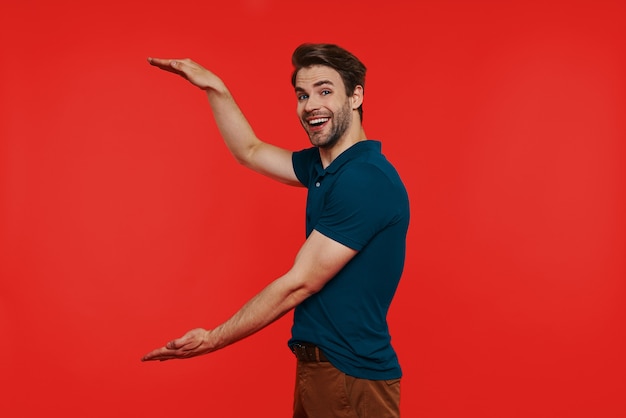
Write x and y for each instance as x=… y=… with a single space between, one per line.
x=328 y=155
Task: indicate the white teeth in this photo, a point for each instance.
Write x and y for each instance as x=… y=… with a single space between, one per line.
x=318 y=121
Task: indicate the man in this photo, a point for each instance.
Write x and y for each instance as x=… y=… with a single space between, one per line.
x=346 y=273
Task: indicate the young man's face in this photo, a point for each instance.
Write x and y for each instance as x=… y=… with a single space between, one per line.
x=324 y=110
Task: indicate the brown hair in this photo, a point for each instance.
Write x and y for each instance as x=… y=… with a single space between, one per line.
x=351 y=70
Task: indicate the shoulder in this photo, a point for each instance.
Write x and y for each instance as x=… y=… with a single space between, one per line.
x=371 y=186
x=376 y=176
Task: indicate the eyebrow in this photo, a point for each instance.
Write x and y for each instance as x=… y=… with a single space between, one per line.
x=317 y=84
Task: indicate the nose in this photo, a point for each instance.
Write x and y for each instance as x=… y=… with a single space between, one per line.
x=311 y=104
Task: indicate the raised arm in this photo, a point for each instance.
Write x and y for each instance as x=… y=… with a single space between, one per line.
x=237 y=133
x=318 y=261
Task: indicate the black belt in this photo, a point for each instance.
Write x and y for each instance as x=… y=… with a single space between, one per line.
x=308 y=352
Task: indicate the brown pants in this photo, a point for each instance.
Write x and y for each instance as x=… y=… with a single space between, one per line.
x=322 y=391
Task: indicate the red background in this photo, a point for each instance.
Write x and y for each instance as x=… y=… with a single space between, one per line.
x=124 y=221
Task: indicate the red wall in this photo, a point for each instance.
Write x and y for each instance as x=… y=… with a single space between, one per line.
x=124 y=222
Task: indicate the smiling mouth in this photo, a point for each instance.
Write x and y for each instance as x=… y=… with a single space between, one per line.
x=317 y=122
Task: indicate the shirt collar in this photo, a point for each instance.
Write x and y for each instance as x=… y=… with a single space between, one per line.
x=359 y=148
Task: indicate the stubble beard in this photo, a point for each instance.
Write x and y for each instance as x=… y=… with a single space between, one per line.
x=340 y=124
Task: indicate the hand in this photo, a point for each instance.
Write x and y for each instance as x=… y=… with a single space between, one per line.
x=193 y=343
x=189 y=70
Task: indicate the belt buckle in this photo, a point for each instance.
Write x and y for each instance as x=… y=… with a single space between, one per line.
x=301 y=352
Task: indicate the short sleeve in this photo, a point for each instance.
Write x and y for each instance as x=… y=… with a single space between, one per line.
x=304 y=163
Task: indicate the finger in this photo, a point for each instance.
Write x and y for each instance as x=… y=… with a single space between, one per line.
x=177 y=343
x=166 y=62
x=173 y=66
x=158 y=358
x=163 y=62
x=159 y=62
x=160 y=354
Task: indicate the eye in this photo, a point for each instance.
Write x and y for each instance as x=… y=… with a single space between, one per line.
x=325 y=92
x=302 y=97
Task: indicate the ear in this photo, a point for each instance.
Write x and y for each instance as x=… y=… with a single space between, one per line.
x=357 y=97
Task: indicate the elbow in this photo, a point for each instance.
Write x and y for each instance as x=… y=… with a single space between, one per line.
x=301 y=293
x=311 y=288
x=306 y=290
x=242 y=160
x=246 y=155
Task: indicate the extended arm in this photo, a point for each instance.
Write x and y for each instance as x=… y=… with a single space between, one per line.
x=318 y=261
x=238 y=135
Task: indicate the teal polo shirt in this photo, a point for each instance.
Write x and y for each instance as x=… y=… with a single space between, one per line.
x=359 y=201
